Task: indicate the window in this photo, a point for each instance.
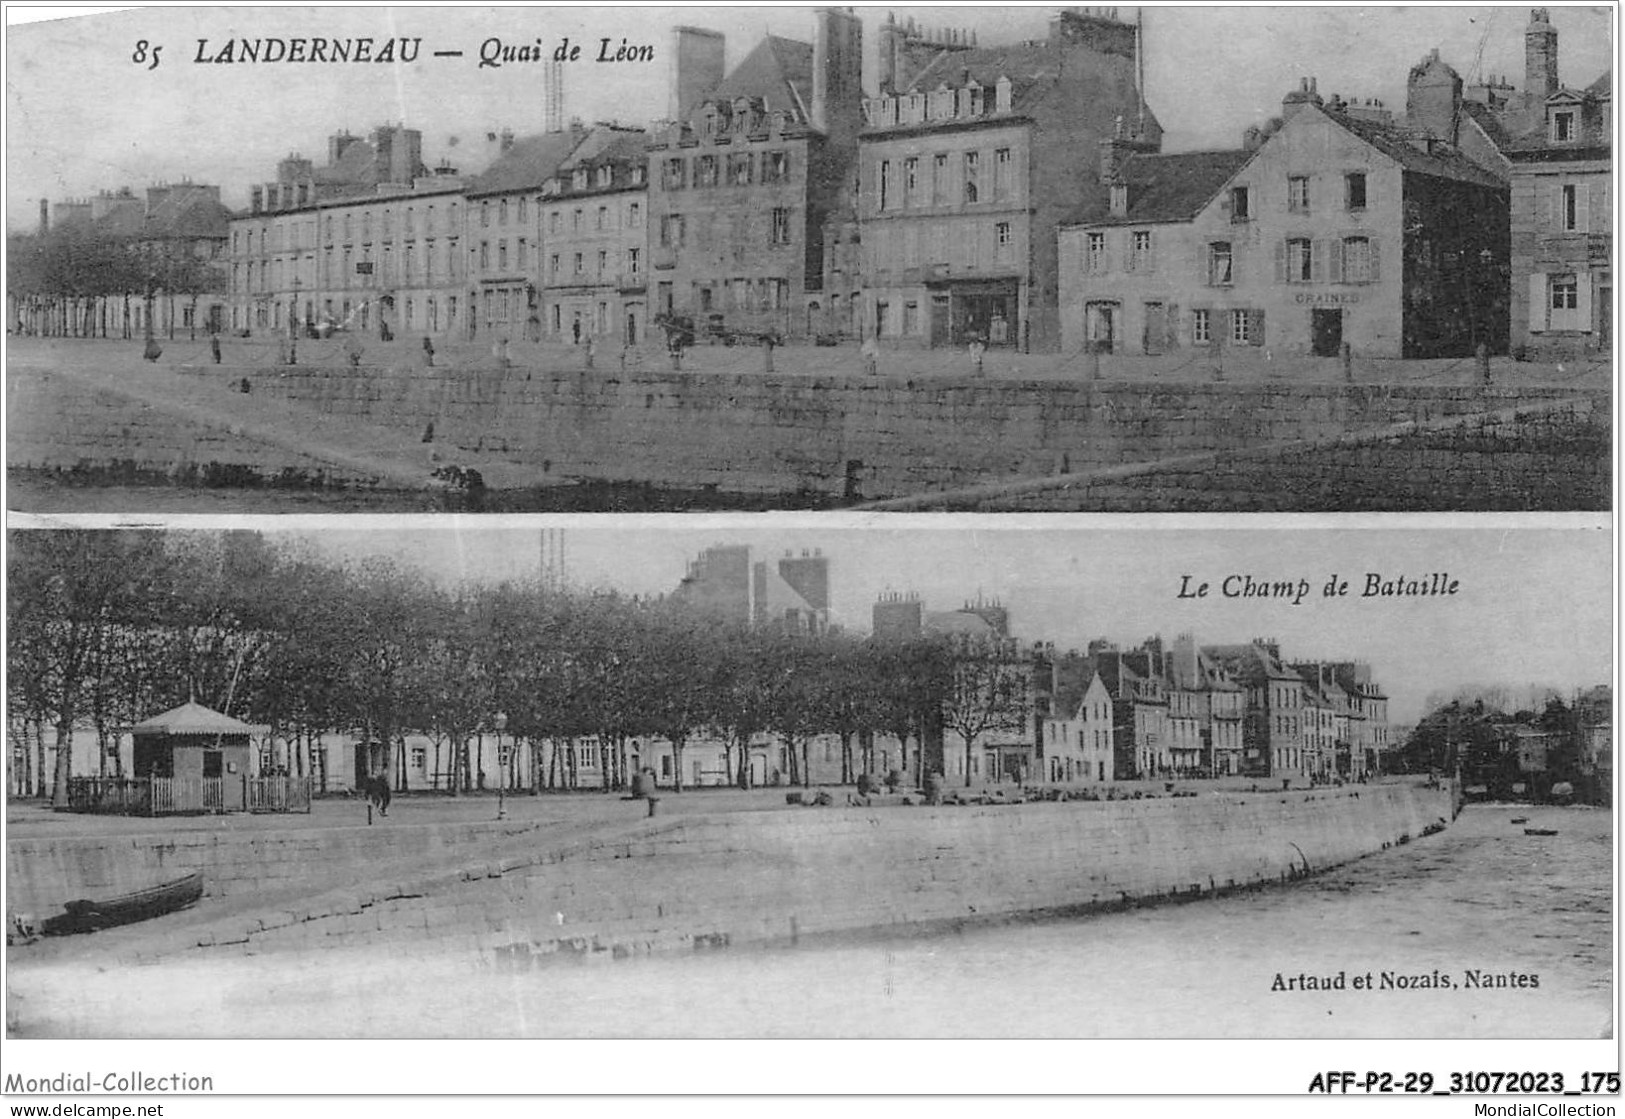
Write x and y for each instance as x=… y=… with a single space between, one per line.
x=885 y=183
x=1569 y=208
x=637 y=175
x=939 y=178
x=575 y=221
x=1563 y=126
x=606 y=177
x=555 y=221
x=1359 y=260
x=502 y=212
x=739 y=168
x=485 y=254
x=581 y=266
x=1095 y=254
x=973 y=176
x=1003 y=241
x=485 y=215
x=1565 y=292
x=1241 y=327
x=705 y=174
x=1297 y=194
x=634 y=216
x=1140 y=261
x=521 y=209
x=603 y=262
x=1299 y=260
x=911 y=182
x=523 y=245
x=1201 y=326
x=675 y=174
x=1219 y=263
x=603 y=217
x=671 y=231
x=781 y=225
x=632 y=262
x=502 y=254
x=1354 y=190
x=1240 y=204
x=1001 y=174
x=775 y=167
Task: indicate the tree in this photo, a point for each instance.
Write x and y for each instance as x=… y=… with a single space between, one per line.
x=987 y=691
x=66 y=589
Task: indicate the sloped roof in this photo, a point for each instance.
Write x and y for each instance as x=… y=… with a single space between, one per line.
x=1592 y=133
x=1493 y=123
x=189 y=215
x=779 y=71
x=1603 y=87
x=194 y=718
x=1396 y=145
x=1171 y=187
x=527 y=165
x=606 y=144
x=1029 y=66
x=1072 y=684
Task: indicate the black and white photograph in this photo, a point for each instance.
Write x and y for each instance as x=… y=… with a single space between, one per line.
x=924 y=550
x=1158 y=259
x=850 y=782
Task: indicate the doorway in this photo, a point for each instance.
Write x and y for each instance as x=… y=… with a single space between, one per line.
x=1326 y=331
x=1100 y=327
x=1156 y=329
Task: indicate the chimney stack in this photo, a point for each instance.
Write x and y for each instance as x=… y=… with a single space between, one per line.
x=698 y=67
x=1539 y=59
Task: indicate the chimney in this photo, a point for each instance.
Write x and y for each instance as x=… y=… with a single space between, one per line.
x=1539 y=59
x=698 y=68
x=1433 y=98
x=837 y=86
x=506 y=139
x=1304 y=95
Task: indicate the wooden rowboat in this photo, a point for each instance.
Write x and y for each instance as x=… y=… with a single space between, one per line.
x=140 y=905
x=1540 y=831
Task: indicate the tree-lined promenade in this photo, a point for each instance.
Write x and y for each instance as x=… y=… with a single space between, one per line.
x=107 y=628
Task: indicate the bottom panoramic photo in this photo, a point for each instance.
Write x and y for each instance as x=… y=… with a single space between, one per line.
x=913 y=778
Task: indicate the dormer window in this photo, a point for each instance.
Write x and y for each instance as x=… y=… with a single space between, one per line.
x=578 y=179
x=1563 y=126
x=1119 y=199
x=606 y=176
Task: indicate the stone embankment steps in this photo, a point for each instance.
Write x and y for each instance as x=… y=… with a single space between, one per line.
x=767 y=877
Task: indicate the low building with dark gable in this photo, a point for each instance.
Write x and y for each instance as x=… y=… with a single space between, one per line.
x=1337 y=228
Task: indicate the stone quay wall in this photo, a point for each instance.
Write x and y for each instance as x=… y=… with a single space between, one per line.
x=1551 y=456
x=852 y=437
x=839 y=437
x=750 y=878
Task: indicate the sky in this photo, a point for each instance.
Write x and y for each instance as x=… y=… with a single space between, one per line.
x=1534 y=605
x=82 y=115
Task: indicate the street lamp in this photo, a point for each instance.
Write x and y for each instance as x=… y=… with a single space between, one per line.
x=500 y=722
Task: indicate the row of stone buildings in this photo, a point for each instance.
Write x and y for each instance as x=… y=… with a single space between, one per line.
x=1480 y=217
x=1013 y=194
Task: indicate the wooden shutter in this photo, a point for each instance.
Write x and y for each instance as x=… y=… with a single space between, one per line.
x=1582 y=208
x=1538 y=302
x=1376 y=270
x=1599 y=206
x=1280 y=262
x=1582 y=304
x=1317 y=261
x=1554 y=208
x=1335 y=267
x=1255 y=332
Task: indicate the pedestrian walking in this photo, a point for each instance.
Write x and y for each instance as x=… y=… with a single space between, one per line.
x=977 y=352
x=354 y=348
x=214 y=347
x=428 y=353
x=871 y=357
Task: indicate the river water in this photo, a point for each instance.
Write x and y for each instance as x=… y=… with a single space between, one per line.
x=1480 y=897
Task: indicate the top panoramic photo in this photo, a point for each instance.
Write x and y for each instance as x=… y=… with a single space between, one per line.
x=1158 y=259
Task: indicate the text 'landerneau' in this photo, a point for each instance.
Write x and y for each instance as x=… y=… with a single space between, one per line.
x=1373 y=585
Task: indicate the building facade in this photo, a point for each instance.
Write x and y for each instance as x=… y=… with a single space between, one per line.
x=595 y=266
x=743 y=187
x=969 y=158
x=1334 y=229
x=1562 y=211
